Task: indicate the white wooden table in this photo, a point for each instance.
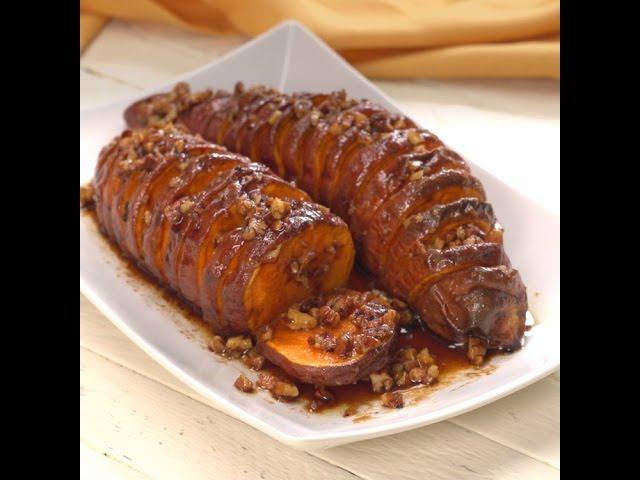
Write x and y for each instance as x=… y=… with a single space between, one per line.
x=139 y=421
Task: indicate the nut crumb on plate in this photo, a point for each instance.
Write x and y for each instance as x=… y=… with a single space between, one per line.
x=243 y=384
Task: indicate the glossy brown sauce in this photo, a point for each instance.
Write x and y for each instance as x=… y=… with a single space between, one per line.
x=348 y=398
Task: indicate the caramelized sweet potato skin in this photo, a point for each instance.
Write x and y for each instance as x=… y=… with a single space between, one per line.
x=357 y=341
x=414 y=257
x=203 y=221
x=375 y=169
x=479 y=301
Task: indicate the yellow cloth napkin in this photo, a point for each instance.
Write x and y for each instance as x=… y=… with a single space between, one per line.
x=90 y=26
x=382 y=38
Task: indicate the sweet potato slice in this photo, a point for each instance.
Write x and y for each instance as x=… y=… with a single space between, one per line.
x=417 y=195
x=268 y=263
x=313 y=153
x=245 y=112
x=255 y=132
x=467 y=221
x=329 y=270
x=357 y=170
x=486 y=303
x=260 y=182
x=176 y=205
x=355 y=127
x=303 y=127
x=200 y=239
x=336 y=345
x=395 y=162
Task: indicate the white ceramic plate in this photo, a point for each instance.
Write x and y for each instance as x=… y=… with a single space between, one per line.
x=291 y=58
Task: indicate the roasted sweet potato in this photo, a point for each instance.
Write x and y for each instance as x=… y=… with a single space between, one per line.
x=415 y=196
x=338 y=341
x=482 y=302
x=226 y=234
x=458 y=233
x=399 y=161
x=373 y=168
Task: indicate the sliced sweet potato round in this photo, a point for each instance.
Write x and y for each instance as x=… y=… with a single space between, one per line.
x=417 y=195
x=350 y=123
x=392 y=152
x=389 y=173
x=255 y=132
x=200 y=239
x=268 y=263
x=302 y=128
x=203 y=208
x=313 y=153
x=248 y=105
x=488 y=303
x=354 y=171
x=339 y=341
x=327 y=271
x=176 y=204
x=467 y=221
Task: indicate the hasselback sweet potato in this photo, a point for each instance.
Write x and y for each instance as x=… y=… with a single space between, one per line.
x=379 y=172
x=235 y=240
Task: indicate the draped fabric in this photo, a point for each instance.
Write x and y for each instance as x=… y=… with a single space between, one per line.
x=382 y=38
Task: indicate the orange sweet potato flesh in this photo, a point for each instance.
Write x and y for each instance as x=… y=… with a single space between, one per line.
x=373 y=168
x=361 y=347
x=205 y=223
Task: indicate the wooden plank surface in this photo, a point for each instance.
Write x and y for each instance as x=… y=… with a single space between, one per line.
x=454 y=446
x=137 y=420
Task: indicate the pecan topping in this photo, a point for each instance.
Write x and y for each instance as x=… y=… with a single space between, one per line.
x=476 y=350
x=87 y=193
x=298 y=320
x=414 y=137
x=243 y=384
x=323 y=341
x=279 y=208
x=381 y=382
x=392 y=400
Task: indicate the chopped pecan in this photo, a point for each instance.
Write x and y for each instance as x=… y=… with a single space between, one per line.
x=418 y=375
x=392 y=400
x=266 y=381
x=279 y=208
x=264 y=333
x=186 y=205
x=255 y=228
x=414 y=137
x=326 y=316
x=417 y=175
x=323 y=341
x=216 y=344
x=476 y=350
x=285 y=389
x=381 y=382
x=275 y=115
x=87 y=194
x=243 y=384
x=424 y=358
x=299 y=320
x=253 y=359
x=239 y=343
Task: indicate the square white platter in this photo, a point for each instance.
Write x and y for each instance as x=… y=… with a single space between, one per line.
x=291 y=58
